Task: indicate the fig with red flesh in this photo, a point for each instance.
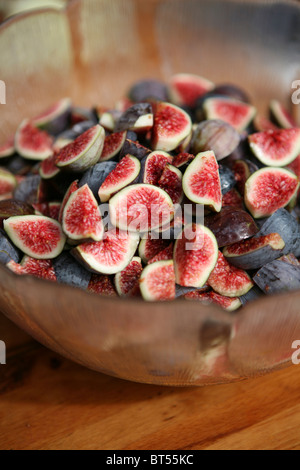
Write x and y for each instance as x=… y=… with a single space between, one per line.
x=84 y=152
x=81 y=216
x=171 y=126
x=108 y=117
x=138 y=118
x=228 y=280
x=278 y=276
x=163 y=255
x=227 y=303
x=182 y=160
x=71 y=273
x=8 y=148
x=54 y=210
x=40 y=268
x=113 y=144
x=127 y=281
x=236 y=113
x=48 y=169
x=157 y=281
x=195 y=255
x=281 y=115
x=233 y=199
x=32 y=143
x=125 y=173
x=241 y=173
x=231 y=225
x=268 y=190
x=148 y=90
x=101 y=284
x=255 y=252
x=262 y=124
x=8 y=251
x=37 y=236
x=50 y=209
x=201 y=181
x=227 y=178
x=153 y=166
x=184 y=89
x=8 y=182
x=55 y=119
x=171 y=182
x=150 y=247
x=109 y=256
x=134 y=148
x=141 y=208
x=72 y=188
x=276 y=148
x=215 y=135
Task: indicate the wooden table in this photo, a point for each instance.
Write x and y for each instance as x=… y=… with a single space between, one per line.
x=48 y=402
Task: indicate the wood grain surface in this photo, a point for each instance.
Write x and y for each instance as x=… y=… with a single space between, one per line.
x=48 y=402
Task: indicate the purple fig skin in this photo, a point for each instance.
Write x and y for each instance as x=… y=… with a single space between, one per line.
x=18 y=165
x=69 y=272
x=233 y=91
x=231 y=225
x=12 y=207
x=148 y=90
x=8 y=251
x=135 y=149
x=227 y=179
x=59 y=124
x=95 y=176
x=131 y=115
x=255 y=259
x=76 y=130
x=253 y=294
x=278 y=276
x=26 y=191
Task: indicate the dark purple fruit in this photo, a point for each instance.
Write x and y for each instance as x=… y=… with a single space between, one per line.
x=253 y=294
x=231 y=226
x=148 y=90
x=55 y=119
x=137 y=118
x=26 y=191
x=8 y=251
x=68 y=271
x=131 y=147
x=278 y=276
x=215 y=135
x=233 y=91
x=227 y=179
x=95 y=176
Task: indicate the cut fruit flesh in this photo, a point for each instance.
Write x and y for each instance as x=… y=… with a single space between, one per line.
x=157 y=281
x=127 y=281
x=8 y=182
x=55 y=119
x=113 y=143
x=269 y=189
x=281 y=115
x=37 y=236
x=124 y=174
x=201 y=181
x=227 y=303
x=81 y=216
x=32 y=143
x=171 y=182
x=138 y=118
x=109 y=256
x=8 y=148
x=48 y=169
x=184 y=89
x=195 y=256
x=141 y=208
x=101 y=284
x=150 y=247
x=41 y=268
x=163 y=255
x=154 y=165
x=236 y=113
x=276 y=147
x=72 y=188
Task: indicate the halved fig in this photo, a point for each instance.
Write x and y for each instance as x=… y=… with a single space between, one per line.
x=11 y=207
x=141 y=208
x=195 y=255
x=153 y=166
x=60 y=143
x=241 y=172
x=108 y=118
x=150 y=247
x=215 y=135
x=40 y=268
x=26 y=191
x=8 y=181
x=37 y=236
x=157 y=281
x=74 y=132
x=278 y=276
x=201 y=181
x=137 y=118
x=101 y=284
x=55 y=119
x=134 y=148
x=269 y=189
x=95 y=176
x=281 y=115
x=171 y=182
x=113 y=143
x=109 y=256
x=69 y=272
x=231 y=225
x=171 y=126
x=84 y=152
x=183 y=291
x=8 y=251
x=72 y=188
x=227 y=178
x=184 y=89
x=276 y=148
x=50 y=209
x=48 y=169
x=291 y=259
x=262 y=124
x=295 y=166
x=81 y=216
x=227 y=303
x=54 y=209
x=236 y=113
x=32 y=143
x=125 y=173
x=233 y=199
x=8 y=148
x=163 y=255
x=127 y=281
x=255 y=252
x=148 y=90
x=228 y=280
x=182 y=160
x=283 y=223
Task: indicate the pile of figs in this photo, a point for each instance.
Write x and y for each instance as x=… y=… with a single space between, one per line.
x=180 y=190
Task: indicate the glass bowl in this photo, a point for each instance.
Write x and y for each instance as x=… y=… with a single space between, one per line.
x=92 y=51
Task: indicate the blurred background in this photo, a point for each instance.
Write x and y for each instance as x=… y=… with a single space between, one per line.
x=12 y=7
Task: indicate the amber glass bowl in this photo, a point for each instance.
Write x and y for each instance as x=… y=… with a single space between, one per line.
x=92 y=51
